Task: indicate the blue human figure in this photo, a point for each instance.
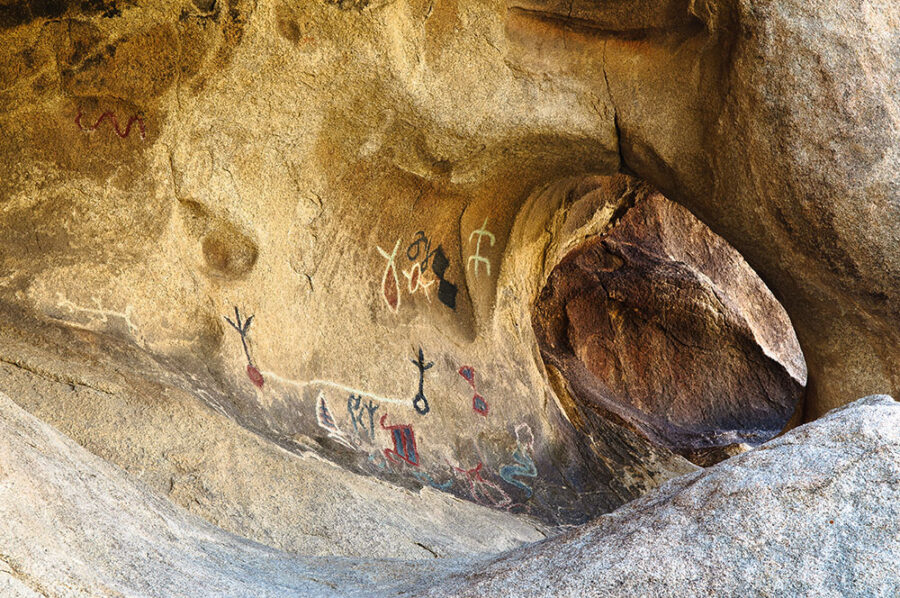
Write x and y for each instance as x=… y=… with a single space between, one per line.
x=524 y=465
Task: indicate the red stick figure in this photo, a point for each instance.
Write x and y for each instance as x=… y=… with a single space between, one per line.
x=484 y=492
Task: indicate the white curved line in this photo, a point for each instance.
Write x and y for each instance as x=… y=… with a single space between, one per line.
x=356 y=391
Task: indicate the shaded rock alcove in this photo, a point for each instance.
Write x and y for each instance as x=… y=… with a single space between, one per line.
x=661 y=326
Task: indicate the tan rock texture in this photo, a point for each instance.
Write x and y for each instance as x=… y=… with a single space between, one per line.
x=142 y=118
x=150 y=419
x=73 y=525
x=375 y=193
x=285 y=166
x=778 y=124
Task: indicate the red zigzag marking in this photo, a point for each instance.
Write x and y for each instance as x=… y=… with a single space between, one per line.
x=115 y=124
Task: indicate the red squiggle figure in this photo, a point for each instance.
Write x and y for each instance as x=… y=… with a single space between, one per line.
x=115 y=123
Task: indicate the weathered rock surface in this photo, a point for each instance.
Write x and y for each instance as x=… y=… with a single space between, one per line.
x=354 y=175
x=777 y=122
x=150 y=421
x=661 y=325
x=383 y=189
x=72 y=525
x=815 y=512
x=500 y=441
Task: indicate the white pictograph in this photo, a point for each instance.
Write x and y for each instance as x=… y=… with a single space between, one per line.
x=390 y=284
x=477 y=257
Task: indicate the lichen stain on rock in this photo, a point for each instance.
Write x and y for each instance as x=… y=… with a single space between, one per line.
x=288 y=28
x=349 y=5
x=288 y=25
x=23 y=12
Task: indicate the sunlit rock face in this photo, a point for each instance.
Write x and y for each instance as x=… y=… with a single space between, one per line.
x=330 y=221
x=661 y=326
x=300 y=216
x=776 y=124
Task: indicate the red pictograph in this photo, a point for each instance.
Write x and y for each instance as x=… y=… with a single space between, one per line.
x=404 y=443
x=115 y=124
x=243 y=328
x=479 y=404
x=255 y=376
x=484 y=492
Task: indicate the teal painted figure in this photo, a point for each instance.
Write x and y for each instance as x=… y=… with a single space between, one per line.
x=524 y=465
